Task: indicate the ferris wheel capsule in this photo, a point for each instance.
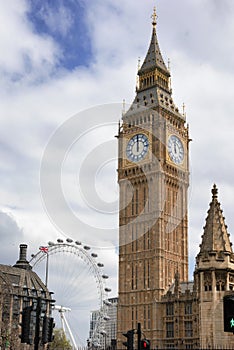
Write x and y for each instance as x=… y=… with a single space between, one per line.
x=69 y=240
x=59 y=240
x=78 y=243
x=105 y=276
x=106 y=318
x=108 y=290
x=94 y=255
x=86 y=247
x=100 y=264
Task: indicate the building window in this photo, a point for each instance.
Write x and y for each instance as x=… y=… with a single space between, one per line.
x=136 y=277
x=170 y=309
x=207 y=282
x=188 y=329
x=170 y=330
x=208 y=287
x=133 y=201
x=136 y=238
x=188 y=308
x=148 y=274
x=145 y=199
x=16 y=306
x=133 y=239
x=136 y=201
x=220 y=286
x=149 y=317
x=132 y=276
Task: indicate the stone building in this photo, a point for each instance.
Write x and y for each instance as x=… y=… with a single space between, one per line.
x=111 y=324
x=192 y=312
x=153 y=176
x=20 y=287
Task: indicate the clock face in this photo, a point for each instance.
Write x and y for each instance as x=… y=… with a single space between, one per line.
x=137 y=148
x=175 y=149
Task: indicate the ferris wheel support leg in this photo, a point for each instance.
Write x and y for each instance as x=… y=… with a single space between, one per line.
x=70 y=332
x=62 y=321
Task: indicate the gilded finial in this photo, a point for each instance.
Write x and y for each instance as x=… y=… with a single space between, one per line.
x=154 y=17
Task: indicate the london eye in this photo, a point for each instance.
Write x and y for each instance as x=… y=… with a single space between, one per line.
x=76 y=277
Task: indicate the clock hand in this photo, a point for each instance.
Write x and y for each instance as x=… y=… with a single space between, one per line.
x=137 y=144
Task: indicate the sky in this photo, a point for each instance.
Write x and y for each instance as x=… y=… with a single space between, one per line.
x=65 y=68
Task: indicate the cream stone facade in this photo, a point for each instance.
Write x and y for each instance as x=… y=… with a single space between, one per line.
x=153 y=176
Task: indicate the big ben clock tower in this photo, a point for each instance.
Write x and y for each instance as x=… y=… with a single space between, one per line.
x=153 y=176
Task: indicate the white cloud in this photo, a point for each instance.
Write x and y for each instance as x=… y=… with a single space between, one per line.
x=24 y=54
x=201 y=52
x=59 y=19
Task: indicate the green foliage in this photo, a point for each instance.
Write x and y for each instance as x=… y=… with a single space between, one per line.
x=60 y=341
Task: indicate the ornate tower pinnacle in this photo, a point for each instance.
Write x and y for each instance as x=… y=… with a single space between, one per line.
x=214 y=192
x=154 y=17
x=215 y=237
x=154 y=78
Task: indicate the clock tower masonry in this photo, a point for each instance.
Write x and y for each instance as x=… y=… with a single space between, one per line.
x=153 y=176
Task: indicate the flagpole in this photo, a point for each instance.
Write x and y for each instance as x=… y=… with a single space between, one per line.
x=47 y=269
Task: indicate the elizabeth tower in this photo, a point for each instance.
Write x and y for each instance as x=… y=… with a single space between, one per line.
x=153 y=176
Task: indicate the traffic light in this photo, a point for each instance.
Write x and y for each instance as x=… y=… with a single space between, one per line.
x=145 y=344
x=130 y=339
x=47 y=330
x=25 y=325
x=228 y=313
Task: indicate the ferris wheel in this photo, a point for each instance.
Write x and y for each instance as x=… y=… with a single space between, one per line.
x=77 y=280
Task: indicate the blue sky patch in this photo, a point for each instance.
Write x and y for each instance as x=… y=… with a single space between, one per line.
x=64 y=21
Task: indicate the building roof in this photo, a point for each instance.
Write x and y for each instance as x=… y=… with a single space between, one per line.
x=153 y=87
x=153 y=57
x=216 y=236
x=183 y=287
x=21 y=276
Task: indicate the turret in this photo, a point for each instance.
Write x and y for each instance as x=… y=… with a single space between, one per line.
x=216 y=248
x=214 y=276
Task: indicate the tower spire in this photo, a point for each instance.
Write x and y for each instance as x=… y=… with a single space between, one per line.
x=154 y=59
x=216 y=236
x=153 y=82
